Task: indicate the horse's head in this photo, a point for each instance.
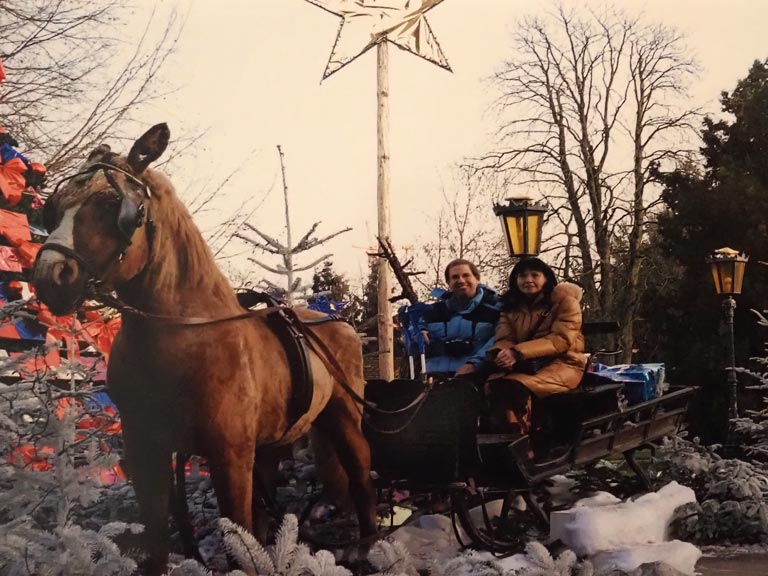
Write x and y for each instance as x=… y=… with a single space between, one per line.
x=99 y=224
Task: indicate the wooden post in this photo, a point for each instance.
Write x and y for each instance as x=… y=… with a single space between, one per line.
x=386 y=354
x=288 y=256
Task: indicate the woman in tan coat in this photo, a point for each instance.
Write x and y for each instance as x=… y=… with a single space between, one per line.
x=539 y=347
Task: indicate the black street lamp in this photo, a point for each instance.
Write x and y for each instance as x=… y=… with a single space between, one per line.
x=727 y=267
x=521 y=221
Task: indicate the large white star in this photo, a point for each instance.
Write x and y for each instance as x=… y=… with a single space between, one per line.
x=365 y=23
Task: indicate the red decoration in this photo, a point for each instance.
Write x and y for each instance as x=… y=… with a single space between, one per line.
x=12 y=180
x=9 y=260
x=14 y=226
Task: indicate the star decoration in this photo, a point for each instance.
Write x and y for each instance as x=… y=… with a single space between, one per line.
x=366 y=23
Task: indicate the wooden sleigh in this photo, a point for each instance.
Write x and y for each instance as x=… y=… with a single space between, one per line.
x=428 y=439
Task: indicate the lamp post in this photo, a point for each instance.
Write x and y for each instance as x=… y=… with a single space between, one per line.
x=727 y=268
x=521 y=222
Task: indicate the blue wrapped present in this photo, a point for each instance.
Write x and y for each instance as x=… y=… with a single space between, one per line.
x=642 y=382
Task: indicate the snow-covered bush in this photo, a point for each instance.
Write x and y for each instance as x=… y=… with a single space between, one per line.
x=56 y=463
x=732 y=494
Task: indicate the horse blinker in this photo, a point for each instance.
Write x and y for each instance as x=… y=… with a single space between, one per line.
x=130 y=218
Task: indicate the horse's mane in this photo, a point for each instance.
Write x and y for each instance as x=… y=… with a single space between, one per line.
x=179 y=255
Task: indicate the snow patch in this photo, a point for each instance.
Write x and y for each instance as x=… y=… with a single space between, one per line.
x=428 y=539
x=602 y=522
x=615 y=535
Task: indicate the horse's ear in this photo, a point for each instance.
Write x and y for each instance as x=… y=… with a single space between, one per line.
x=149 y=147
x=98 y=153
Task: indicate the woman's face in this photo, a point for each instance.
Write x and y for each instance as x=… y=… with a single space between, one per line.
x=531 y=282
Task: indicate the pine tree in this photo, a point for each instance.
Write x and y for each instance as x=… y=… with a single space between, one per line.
x=328 y=280
x=294 y=289
x=371 y=296
x=720 y=203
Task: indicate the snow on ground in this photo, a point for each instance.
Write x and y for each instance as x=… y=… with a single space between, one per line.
x=602 y=522
x=611 y=533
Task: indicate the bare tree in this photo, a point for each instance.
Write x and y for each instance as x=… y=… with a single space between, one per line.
x=70 y=81
x=287 y=251
x=660 y=72
x=590 y=103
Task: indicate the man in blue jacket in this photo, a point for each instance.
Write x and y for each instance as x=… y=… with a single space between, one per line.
x=460 y=326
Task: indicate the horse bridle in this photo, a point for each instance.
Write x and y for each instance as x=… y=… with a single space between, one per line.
x=131 y=216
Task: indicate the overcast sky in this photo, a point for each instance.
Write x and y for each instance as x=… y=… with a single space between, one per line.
x=249 y=73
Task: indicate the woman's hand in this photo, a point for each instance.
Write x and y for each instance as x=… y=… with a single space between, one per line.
x=506 y=359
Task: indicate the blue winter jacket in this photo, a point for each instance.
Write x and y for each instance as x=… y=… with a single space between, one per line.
x=457 y=335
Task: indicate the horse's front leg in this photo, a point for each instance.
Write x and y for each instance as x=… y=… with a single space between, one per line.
x=232 y=470
x=149 y=467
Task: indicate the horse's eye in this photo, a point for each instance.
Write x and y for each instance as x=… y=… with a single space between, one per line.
x=105 y=202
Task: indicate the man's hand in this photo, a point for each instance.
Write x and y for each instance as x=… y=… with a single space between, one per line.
x=466 y=369
x=506 y=359
x=425 y=335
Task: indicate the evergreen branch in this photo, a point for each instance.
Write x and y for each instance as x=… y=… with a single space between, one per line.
x=245 y=549
x=268 y=239
x=315 y=263
x=85 y=438
x=286 y=544
x=318 y=241
x=268 y=268
x=304 y=239
x=257 y=244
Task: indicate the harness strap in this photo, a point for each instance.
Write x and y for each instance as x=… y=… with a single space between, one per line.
x=294 y=344
x=332 y=364
x=123 y=308
x=314 y=342
x=70 y=253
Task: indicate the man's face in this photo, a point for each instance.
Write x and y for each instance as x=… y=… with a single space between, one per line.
x=461 y=282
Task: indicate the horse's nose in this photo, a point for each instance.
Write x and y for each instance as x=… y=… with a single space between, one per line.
x=54 y=270
x=57 y=281
x=64 y=272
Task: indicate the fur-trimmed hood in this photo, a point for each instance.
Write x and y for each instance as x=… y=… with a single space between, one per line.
x=566 y=289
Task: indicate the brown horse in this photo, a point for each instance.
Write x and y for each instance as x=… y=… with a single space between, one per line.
x=222 y=389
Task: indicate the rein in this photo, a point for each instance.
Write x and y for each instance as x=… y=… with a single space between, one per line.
x=314 y=342
x=123 y=308
x=330 y=361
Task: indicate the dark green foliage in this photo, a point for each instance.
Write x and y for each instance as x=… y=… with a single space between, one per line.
x=730 y=495
x=371 y=298
x=723 y=204
x=336 y=288
x=328 y=280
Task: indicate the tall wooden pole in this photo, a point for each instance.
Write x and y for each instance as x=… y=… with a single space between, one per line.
x=386 y=355
x=288 y=256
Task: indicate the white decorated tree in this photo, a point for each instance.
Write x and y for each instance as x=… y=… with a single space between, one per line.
x=294 y=288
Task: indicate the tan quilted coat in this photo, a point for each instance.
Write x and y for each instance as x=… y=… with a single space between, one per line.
x=559 y=334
